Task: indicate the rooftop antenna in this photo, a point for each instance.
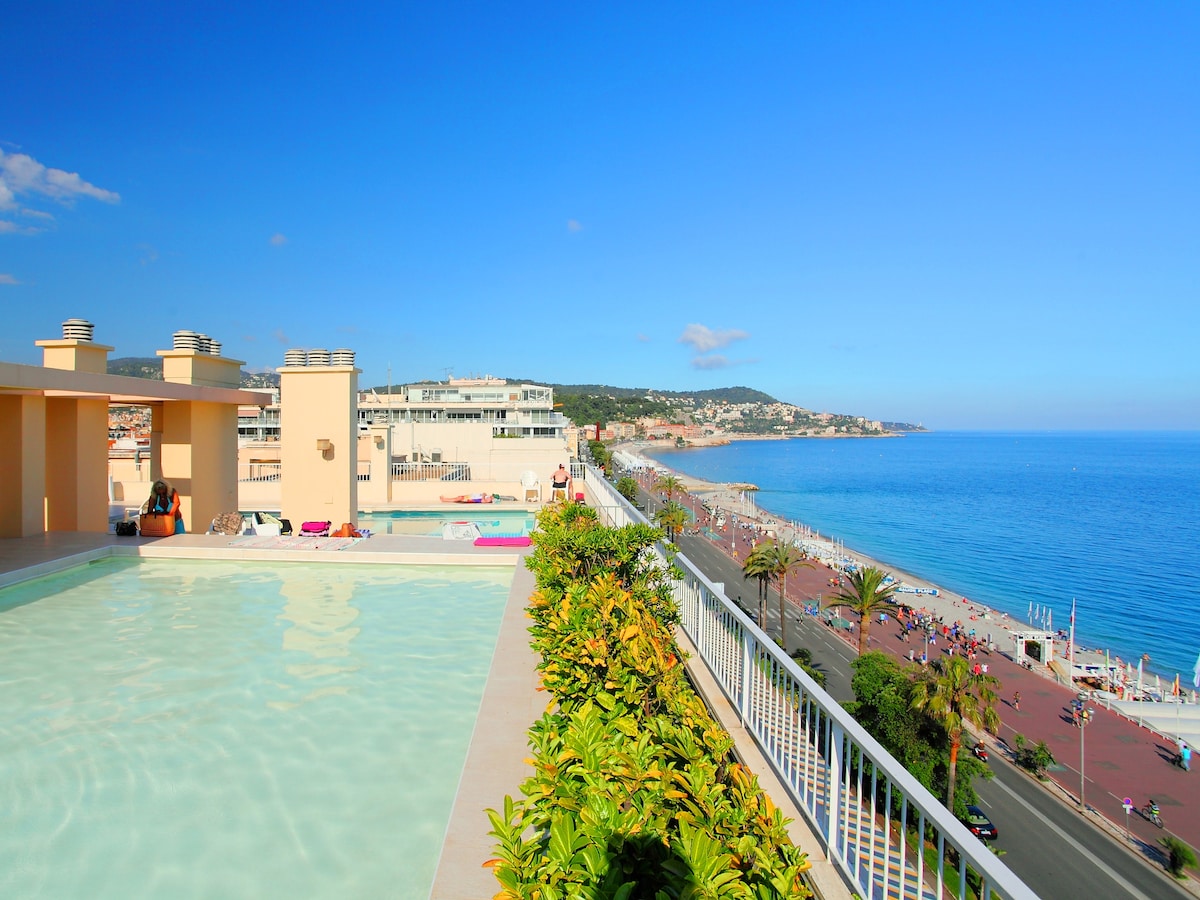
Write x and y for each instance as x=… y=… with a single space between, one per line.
x=449 y=370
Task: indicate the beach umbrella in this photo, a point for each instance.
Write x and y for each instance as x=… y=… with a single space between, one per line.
x=1196 y=676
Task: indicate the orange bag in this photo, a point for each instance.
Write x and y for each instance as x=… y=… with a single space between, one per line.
x=156 y=525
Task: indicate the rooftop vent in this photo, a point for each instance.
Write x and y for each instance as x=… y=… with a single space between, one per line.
x=341 y=357
x=185 y=340
x=77 y=330
x=295 y=357
x=319 y=357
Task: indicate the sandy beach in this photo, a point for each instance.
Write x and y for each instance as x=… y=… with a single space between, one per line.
x=738 y=498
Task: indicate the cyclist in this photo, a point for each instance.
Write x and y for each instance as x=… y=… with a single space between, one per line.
x=1151 y=813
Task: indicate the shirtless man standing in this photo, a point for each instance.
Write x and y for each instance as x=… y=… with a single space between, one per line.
x=560 y=482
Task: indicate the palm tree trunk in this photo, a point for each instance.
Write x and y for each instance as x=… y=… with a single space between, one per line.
x=864 y=627
x=782 y=617
x=762 y=604
x=955 y=744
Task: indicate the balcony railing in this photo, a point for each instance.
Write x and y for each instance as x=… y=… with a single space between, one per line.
x=259 y=471
x=423 y=471
x=869 y=812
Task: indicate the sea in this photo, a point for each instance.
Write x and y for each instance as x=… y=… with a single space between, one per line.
x=1015 y=520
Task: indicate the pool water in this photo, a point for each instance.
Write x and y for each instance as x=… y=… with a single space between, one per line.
x=492 y=522
x=237 y=729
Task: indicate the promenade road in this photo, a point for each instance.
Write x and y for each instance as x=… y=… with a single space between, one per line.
x=1045 y=839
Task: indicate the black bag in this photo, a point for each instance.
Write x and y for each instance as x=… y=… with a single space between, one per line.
x=126 y=529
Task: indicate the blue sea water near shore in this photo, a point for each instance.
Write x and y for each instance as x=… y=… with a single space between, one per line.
x=1008 y=519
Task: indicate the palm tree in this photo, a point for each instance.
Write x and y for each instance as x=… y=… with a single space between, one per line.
x=673 y=517
x=865 y=593
x=782 y=559
x=669 y=485
x=954 y=696
x=757 y=566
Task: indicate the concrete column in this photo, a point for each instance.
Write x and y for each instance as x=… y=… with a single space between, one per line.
x=77 y=464
x=199 y=459
x=75 y=355
x=199 y=440
x=76 y=442
x=22 y=465
x=318 y=445
x=156 y=435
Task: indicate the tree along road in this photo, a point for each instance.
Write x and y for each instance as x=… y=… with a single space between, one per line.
x=1045 y=842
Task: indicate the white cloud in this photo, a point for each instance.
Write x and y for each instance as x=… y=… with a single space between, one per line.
x=5 y=278
x=643 y=338
x=704 y=339
x=574 y=226
x=716 y=361
x=22 y=175
x=280 y=335
x=278 y=240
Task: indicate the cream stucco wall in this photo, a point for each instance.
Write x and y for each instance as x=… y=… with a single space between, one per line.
x=77 y=464
x=319 y=404
x=22 y=465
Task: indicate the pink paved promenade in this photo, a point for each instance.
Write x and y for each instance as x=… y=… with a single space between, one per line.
x=1121 y=759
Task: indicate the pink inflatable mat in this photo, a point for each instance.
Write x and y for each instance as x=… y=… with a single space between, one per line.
x=522 y=541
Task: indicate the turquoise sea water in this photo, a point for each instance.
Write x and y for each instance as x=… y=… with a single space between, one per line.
x=1009 y=519
x=238 y=730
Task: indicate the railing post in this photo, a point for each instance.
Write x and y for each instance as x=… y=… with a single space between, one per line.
x=747 y=679
x=833 y=787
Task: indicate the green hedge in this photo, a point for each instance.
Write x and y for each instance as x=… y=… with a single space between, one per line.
x=635 y=792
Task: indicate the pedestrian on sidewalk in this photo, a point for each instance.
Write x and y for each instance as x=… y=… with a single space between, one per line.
x=1185 y=756
x=1016 y=701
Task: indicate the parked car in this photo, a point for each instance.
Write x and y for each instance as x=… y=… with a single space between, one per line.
x=980 y=825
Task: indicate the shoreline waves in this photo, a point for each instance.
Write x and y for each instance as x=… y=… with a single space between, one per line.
x=946 y=603
x=1009 y=520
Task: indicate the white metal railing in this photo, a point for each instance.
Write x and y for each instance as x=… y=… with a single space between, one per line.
x=259 y=471
x=867 y=809
x=429 y=471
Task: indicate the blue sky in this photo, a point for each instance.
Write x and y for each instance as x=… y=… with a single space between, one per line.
x=966 y=216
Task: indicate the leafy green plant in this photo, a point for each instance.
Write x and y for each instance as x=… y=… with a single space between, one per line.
x=634 y=791
x=1180 y=856
x=628 y=488
x=1035 y=759
x=804 y=657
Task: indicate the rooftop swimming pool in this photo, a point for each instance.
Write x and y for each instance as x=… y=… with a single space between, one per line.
x=237 y=729
x=492 y=521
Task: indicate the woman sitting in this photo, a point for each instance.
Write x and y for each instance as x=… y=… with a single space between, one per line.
x=164 y=501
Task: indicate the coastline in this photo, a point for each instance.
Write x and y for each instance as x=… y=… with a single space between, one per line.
x=947 y=604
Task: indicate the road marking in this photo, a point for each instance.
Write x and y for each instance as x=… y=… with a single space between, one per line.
x=1095 y=860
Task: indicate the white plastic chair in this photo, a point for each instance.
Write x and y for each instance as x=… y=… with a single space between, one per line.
x=533 y=487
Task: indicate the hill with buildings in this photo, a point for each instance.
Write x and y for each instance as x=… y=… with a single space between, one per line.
x=151 y=367
x=738 y=409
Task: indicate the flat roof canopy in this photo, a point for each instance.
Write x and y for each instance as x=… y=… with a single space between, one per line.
x=19 y=379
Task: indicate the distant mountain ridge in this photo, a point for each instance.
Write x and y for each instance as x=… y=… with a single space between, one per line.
x=150 y=367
